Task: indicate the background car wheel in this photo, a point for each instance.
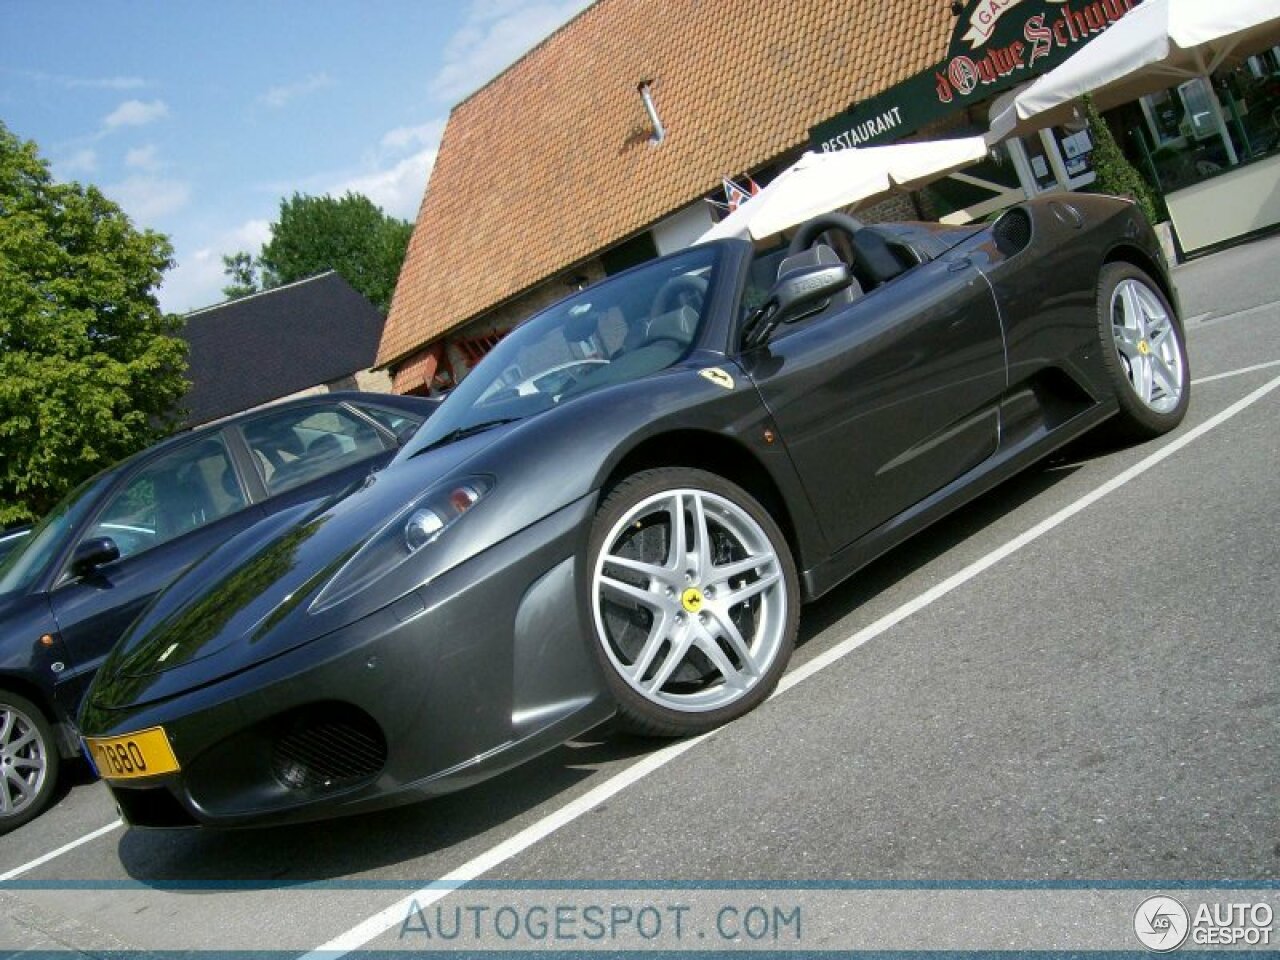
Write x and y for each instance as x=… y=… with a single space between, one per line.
x=28 y=761
x=694 y=600
x=1144 y=351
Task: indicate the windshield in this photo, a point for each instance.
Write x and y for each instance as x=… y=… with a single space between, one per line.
x=622 y=329
x=33 y=554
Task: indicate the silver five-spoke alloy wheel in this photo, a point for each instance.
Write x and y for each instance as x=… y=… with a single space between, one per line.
x=1149 y=352
x=24 y=762
x=689 y=600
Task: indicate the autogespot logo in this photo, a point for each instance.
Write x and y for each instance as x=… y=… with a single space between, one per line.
x=1161 y=924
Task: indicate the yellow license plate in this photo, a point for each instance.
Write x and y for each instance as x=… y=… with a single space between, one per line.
x=142 y=754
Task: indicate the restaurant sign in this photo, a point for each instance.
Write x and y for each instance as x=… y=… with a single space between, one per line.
x=996 y=45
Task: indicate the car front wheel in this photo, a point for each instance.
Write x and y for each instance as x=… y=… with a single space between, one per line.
x=1144 y=351
x=28 y=761
x=694 y=600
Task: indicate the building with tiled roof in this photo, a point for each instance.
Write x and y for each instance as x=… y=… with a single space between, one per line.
x=552 y=175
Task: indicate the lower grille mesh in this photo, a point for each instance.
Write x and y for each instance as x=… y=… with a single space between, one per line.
x=326 y=749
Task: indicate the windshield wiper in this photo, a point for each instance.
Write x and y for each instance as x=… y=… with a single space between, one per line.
x=458 y=434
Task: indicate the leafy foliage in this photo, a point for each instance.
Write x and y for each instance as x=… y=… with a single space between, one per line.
x=1115 y=174
x=243 y=271
x=316 y=234
x=90 y=369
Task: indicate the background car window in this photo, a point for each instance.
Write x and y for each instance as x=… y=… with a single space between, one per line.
x=30 y=558
x=296 y=446
x=173 y=495
x=397 y=421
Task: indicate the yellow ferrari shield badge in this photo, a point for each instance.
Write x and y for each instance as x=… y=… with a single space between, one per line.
x=717 y=376
x=691 y=599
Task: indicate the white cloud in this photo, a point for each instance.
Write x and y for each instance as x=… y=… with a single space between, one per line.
x=280 y=96
x=106 y=83
x=136 y=113
x=495 y=35
x=397 y=189
x=94 y=83
x=82 y=161
x=146 y=199
x=198 y=278
x=143 y=158
x=404 y=138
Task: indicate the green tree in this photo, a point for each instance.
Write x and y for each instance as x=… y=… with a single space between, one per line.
x=90 y=369
x=244 y=273
x=348 y=234
x=1114 y=173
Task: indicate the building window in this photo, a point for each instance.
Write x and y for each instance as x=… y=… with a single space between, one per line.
x=1197 y=129
x=473 y=349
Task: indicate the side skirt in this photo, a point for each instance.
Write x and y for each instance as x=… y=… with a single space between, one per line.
x=1001 y=466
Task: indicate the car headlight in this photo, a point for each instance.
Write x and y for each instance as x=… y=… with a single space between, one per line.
x=418 y=525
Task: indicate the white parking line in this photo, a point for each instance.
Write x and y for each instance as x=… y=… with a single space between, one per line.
x=1236 y=373
x=621 y=781
x=65 y=848
x=394 y=915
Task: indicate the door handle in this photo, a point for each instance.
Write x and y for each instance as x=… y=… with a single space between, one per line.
x=955 y=266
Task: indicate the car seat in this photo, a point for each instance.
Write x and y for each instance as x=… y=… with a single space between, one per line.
x=821 y=255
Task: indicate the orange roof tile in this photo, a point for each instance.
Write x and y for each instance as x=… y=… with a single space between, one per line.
x=549 y=164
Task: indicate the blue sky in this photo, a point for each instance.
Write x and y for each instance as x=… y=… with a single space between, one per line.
x=198 y=117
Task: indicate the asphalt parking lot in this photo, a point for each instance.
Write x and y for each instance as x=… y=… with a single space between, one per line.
x=1075 y=678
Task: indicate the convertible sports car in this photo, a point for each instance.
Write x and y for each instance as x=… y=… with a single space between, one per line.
x=726 y=435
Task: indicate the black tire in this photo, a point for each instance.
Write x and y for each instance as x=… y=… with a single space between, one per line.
x=1138 y=418
x=771 y=616
x=19 y=719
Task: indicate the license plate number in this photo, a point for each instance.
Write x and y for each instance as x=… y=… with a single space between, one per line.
x=143 y=754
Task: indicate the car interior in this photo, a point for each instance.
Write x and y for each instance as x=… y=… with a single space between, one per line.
x=874 y=256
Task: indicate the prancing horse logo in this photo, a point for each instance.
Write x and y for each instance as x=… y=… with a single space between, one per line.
x=691 y=599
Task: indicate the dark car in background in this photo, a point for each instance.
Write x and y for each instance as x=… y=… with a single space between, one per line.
x=10 y=539
x=74 y=582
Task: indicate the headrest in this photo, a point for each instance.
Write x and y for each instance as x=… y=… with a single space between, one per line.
x=678 y=324
x=875 y=256
x=819 y=255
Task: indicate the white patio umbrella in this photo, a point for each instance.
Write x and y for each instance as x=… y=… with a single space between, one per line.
x=1154 y=46
x=822 y=182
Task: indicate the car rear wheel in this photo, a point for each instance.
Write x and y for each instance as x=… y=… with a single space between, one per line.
x=1144 y=352
x=694 y=600
x=28 y=761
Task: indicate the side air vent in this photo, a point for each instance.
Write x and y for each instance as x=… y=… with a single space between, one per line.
x=328 y=747
x=1012 y=231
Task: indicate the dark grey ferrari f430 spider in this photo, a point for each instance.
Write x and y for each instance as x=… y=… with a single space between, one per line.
x=623 y=506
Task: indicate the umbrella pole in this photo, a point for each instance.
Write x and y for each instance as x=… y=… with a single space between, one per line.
x=1232 y=158
x=1216 y=107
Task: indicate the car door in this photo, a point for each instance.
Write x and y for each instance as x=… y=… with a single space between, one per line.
x=167 y=513
x=886 y=400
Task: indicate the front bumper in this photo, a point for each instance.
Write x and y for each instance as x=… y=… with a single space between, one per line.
x=482 y=669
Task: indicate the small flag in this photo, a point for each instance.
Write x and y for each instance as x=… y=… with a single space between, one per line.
x=734 y=194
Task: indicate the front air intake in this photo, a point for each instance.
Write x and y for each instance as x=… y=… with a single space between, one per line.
x=1012 y=231
x=328 y=747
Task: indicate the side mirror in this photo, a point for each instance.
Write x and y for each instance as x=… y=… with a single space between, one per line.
x=93 y=553
x=797 y=294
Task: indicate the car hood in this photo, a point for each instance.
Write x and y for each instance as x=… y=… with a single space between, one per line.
x=251 y=598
